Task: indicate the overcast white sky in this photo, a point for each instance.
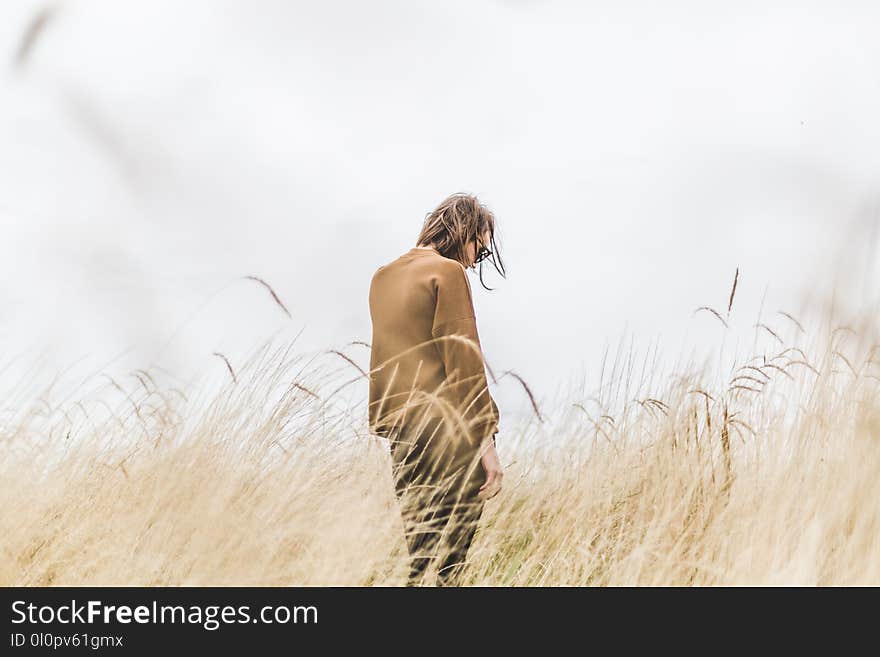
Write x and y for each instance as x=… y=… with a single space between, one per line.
x=635 y=154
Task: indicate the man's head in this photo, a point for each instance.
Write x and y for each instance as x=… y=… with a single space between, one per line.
x=463 y=229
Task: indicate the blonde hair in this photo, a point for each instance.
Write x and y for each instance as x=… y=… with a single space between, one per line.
x=458 y=220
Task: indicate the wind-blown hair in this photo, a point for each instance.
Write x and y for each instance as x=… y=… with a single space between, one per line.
x=460 y=219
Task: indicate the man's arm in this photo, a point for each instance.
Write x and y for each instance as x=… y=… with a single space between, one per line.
x=458 y=342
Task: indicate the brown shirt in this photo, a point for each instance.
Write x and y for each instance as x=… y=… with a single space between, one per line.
x=419 y=303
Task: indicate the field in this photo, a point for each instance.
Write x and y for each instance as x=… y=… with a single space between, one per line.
x=765 y=475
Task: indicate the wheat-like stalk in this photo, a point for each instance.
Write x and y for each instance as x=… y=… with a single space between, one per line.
x=271 y=291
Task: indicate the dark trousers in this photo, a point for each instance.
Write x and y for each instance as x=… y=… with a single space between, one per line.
x=436 y=479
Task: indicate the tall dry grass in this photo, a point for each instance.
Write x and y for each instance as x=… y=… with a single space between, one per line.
x=766 y=473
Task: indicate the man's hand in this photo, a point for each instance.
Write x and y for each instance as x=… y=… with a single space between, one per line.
x=492 y=467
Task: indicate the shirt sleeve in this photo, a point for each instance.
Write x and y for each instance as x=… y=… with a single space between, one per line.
x=455 y=332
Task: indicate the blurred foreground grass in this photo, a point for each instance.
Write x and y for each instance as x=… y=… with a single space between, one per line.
x=768 y=478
